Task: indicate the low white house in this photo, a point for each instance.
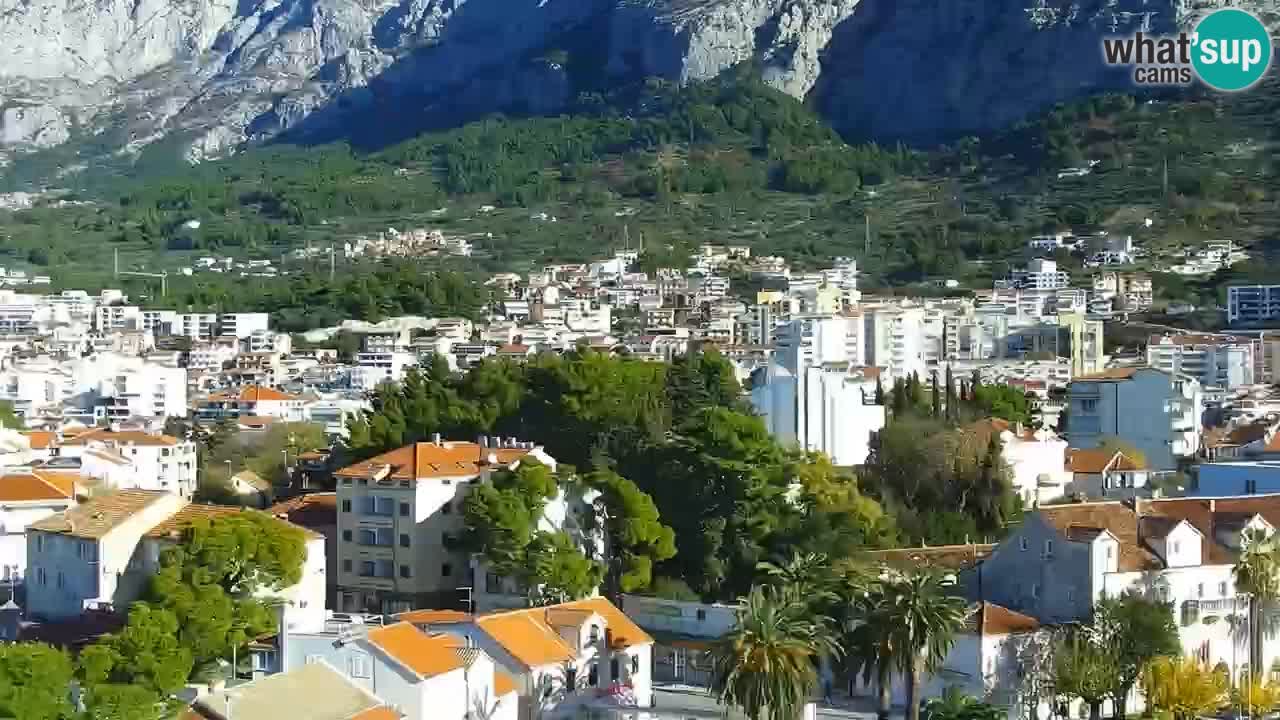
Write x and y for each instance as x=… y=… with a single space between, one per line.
x=563 y=658
x=26 y=497
x=1037 y=459
x=134 y=460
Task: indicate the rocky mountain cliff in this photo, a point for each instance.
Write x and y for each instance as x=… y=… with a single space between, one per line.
x=212 y=75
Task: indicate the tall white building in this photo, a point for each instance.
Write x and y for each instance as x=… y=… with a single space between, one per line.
x=243 y=325
x=893 y=338
x=1222 y=361
x=1040 y=274
x=814 y=396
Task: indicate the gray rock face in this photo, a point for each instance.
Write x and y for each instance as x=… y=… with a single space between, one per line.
x=221 y=73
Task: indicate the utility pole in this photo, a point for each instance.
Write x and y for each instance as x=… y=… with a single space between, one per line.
x=866 y=240
x=1164 y=179
x=332 y=264
x=115 y=262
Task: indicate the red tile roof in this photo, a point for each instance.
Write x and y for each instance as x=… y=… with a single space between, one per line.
x=425 y=460
x=1098 y=461
x=253 y=394
x=121 y=437
x=33 y=485
x=990 y=619
x=952 y=557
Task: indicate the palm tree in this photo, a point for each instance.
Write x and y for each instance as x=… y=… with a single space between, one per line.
x=925 y=618
x=766 y=664
x=869 y=642
x=1257 y=573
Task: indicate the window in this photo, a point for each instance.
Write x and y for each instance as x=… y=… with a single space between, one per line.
x=404 y=509
x=42 y=577
x=346 y=536
x=404 y=571
x=379 y=506
x=1071 y=595
x=386 y=569
x=593 y=635
x=593 y=675
x=1200 y=590
x=61 y=580
x=404 y=540
x=1048 y=548
x=446 y=570
x=368 y=536
x=1175 y=547
x=1190 y=612
x=613 y=668
x=1035 y=590
x=492 y=583
x=346 y=565
x=702 y=615
x=386 y=537
x=358 y=665
x=313 y=659
x=346 y=506
x=366 y=568
x=1222 y=589
x=635 y=664
x=1023 y=544
x=39 y=542
x=1088 y=405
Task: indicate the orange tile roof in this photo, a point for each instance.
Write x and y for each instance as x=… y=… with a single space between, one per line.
x=427 y=655
x=1094 y=461
x=310 y=510
x=37 y=485
x=123 y=437
x=253 y=393
x=382 y=712
x=1111 y=374
x=426 y=460
x=952 y=557
x=530 y=635
x=991 y=619
x=41 y=439
x=502 y=683
x=429 y=617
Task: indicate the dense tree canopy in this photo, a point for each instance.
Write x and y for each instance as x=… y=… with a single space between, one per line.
x=34 y=682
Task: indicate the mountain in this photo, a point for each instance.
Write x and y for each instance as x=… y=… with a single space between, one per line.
x=205 y=77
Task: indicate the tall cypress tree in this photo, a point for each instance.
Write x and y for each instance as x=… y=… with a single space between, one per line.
x=937 y=399
x=950 y=398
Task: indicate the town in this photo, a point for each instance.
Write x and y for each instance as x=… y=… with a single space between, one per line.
x=615 y=491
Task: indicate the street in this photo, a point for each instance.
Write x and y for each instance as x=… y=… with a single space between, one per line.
x=691 y=704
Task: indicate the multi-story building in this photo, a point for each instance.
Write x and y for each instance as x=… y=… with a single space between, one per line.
x=105 y=550
x=1248 y=304
x=1040 y=274
x=1221 y=361
x=1067 y=335
x=197 y=326
x=1131 y=290
x=111 y=318
x=893 y=339
x=1037 y=459
x=814 y=397
x=375 y=368
x=144 y=390
x=1063 y=559
x=243 y=325
x=253 y=401
x=1152 y=410
x=398 y=511
x=156 y=462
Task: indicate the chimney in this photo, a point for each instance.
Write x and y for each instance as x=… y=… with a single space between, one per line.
x=1213 y=505
x=435 y=438
x=484 y=441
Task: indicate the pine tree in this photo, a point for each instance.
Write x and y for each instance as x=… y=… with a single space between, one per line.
x=950 y=398
x=974 y=383
x=879 y=392
x=937 y=399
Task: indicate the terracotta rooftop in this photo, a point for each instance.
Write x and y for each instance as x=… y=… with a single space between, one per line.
x=41 y=439
x=314 y=691
x=952 y=557
x=987 y=618
x=311 y=510
x=1136 y=523
x=32 y=485
x=252 y=394
x=530 y=636
x=1110 y=374
x=502 y=683
x=430 y=617
x=426 y=460
x=426 y=655
x=122 y=437
x=98 y=515
x=1096 y=461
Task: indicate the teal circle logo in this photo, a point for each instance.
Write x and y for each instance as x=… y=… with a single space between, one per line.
x=1232 y=50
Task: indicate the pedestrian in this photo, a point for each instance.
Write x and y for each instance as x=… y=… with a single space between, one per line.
x=826 y=690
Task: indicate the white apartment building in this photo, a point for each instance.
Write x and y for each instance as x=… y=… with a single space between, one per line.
x=105 y=550
x=1152 y=410
x=894 y=338
x=1037 y=459
x=396 y=512
x=111 y=318
x=267 y=341
x=243 y=325
x=563 y=658
x=1134 y=288
x=374 y=368
x=253 y=401
x=813 y=395
x=1222 y=361
x=155 y=462
x=197 y=326
x=1040 y=274
x=1252 y=303
x=144 y=389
